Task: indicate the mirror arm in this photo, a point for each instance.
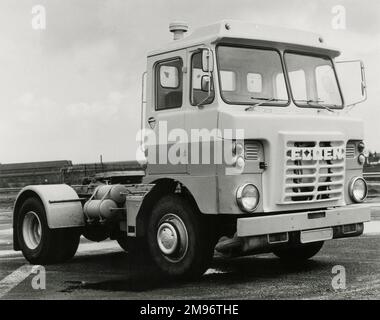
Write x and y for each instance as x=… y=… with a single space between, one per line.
x=210 y=68
x=363 y=85
x=200 y=104
x=364 y=81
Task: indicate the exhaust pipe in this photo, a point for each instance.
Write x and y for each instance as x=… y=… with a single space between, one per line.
x=178 y=28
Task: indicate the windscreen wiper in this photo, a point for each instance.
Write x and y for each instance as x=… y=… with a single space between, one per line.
x=317 y=102
x=263 y=100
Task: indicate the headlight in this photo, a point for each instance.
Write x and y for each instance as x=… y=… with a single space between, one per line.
x=358 y=189
x=247 y=197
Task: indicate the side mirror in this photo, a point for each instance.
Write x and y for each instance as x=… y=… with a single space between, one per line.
x=205 y=83
x=207 y=60
x=352 y=80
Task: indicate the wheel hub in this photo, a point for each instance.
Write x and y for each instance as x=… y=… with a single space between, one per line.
x=167 y=238
x=32 y=230
x=172 y=237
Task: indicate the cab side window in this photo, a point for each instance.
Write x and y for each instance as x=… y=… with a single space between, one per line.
x=169 y=85
x=197 y=95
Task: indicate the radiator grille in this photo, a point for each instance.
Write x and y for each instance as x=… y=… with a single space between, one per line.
x=313 y=180
x=251 y=150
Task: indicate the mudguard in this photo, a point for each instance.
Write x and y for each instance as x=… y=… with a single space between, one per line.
x=62 y=205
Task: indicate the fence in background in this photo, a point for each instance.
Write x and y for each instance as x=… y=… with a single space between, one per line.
x=17 y=175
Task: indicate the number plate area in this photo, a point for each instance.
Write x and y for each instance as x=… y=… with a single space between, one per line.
x=316 y=235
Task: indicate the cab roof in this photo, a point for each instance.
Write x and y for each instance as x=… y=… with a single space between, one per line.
x=235 y=31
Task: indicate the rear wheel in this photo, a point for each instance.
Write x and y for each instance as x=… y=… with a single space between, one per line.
x=300 y=252
x=180 y=240
x=38 y=243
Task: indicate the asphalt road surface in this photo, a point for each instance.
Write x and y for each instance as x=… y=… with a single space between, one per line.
x=104 y=271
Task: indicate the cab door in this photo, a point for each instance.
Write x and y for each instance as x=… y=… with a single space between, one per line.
x=164 y=112
x=202 y=118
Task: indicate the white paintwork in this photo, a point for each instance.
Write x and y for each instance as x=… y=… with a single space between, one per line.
x=372 y=228
x=269 y=125
x=309 y=236
x=249 y=31
x=375 y=210
x=59 y=215
x=275 y=128
x=299 y=221
x=167 y=120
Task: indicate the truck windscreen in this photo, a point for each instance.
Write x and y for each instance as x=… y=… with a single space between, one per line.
x=250 y=75
x=313 y=81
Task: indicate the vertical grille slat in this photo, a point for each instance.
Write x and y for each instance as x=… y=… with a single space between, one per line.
x=313 y=180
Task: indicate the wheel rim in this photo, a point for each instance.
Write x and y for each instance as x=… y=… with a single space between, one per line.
x=32 y=230
x=172 y=237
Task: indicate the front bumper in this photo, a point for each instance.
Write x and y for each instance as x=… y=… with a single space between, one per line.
x=280 y=223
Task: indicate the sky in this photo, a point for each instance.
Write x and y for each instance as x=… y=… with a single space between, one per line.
x=72 y=91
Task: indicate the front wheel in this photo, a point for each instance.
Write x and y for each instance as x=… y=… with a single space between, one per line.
x=40 y=244
x=180 y=240
x=298 y=253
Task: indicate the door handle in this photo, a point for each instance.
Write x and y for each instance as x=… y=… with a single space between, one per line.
x=152 y=122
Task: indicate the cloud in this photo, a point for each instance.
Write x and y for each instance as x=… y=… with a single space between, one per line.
x=38 y=128
x=31 y=110
x=103 y=110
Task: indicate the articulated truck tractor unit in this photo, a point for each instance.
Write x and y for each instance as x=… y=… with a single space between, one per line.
x=249 y=148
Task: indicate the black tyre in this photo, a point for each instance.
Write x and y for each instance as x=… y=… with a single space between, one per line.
x=180 y=240
x=123 y=243
x=69 y=240
x=136 y=248
x=132 y=245
x=300 y=252
x=38 y=243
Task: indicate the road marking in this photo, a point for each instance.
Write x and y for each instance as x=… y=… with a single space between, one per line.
x=6 y=232
x=5 y=216
x=6 y=213
x=84 y=248
x=374 y=284
x=98 y=246
x=214 y=271
x=9 y=253
x=15 y=278
x=372 y=228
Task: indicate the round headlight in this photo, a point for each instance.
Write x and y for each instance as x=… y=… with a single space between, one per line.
x=358 y=189
x=247 y=197
x=361 y=159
